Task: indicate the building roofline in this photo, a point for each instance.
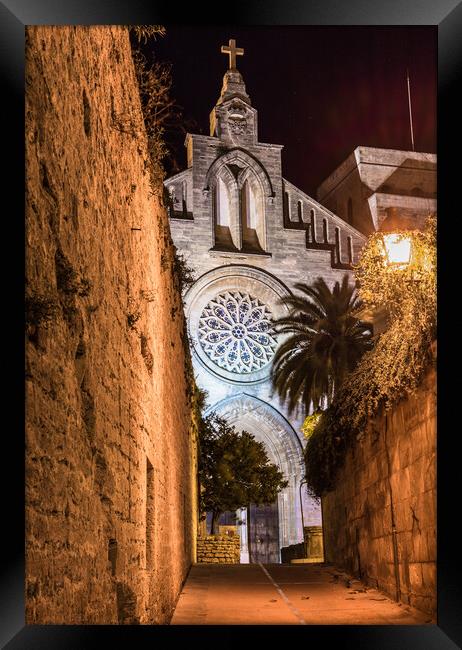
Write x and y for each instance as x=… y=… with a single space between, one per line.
x=365 y=155
x=177 y=175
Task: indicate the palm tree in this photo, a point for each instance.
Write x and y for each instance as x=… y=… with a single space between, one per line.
x=327 y=340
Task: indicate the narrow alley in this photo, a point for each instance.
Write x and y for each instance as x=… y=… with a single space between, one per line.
x=229 y=358
x=277 y=594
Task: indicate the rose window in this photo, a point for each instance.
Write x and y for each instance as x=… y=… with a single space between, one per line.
x=235 y=332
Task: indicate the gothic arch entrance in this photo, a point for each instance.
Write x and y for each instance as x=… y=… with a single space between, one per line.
x=283 y=447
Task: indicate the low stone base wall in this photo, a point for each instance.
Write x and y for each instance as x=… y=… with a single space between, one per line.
x=293 y=552
x=310 y=548
x=219 y=549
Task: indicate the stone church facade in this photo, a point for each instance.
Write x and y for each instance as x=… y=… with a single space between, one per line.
x=250 y=235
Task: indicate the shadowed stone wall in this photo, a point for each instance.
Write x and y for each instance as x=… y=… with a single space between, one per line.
x=392 y=472
x=373 y=181
x=110 y=461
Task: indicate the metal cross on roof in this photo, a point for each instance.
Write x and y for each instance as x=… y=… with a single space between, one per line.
x=232 y=51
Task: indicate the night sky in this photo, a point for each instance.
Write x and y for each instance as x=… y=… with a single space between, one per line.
x=319 y=91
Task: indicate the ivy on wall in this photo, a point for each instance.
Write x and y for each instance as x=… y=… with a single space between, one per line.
x=394 y=368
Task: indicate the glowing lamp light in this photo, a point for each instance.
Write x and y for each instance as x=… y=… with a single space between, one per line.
x=397 y=250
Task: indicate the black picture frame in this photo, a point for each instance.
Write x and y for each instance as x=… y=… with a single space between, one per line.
x=14 y=15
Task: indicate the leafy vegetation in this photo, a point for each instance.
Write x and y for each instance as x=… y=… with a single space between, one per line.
x=182 y=272
x=160 y=110
x=162 y=117
x=394 y=368
x=142 y=33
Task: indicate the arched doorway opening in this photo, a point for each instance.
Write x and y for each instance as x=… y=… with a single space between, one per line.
x=276 y=525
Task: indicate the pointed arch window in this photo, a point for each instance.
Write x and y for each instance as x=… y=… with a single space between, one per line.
x=223 y=209
x=238 y=199
x=252 y=216
x=249 y=207
x=223 y=204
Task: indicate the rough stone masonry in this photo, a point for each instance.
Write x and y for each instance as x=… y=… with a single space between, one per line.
x=110 y=459
x=218 y=549
x=380 y=520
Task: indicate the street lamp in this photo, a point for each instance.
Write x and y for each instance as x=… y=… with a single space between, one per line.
x=395 y=250
x=398 y=249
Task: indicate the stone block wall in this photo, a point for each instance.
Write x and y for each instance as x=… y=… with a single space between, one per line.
x=111 y=497
x=370 y=175
x=219 y=549
x=390 y=476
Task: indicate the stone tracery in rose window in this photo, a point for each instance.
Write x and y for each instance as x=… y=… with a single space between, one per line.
x=235 y=332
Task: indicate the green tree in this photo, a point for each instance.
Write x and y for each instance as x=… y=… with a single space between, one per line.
x=234 y=469
x=326 y=341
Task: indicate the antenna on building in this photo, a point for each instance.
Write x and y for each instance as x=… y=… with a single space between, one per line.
x=410 y=108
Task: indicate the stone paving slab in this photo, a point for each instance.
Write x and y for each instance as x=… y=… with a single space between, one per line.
x=275 y=594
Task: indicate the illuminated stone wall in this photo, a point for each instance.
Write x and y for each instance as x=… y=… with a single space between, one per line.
x=218 y=549
x=110 y=464
x=394 y=466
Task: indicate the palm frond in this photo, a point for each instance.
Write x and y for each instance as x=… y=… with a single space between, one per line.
x=325 y=342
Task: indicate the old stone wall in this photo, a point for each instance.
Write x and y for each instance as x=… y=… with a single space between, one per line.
x=378 y=179
x=219 y=549
x=390 y=478
x=110 y=454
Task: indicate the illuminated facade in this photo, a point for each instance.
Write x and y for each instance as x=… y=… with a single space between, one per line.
x=250 y=236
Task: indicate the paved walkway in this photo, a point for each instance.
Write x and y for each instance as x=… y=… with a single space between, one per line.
x=282 y=594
